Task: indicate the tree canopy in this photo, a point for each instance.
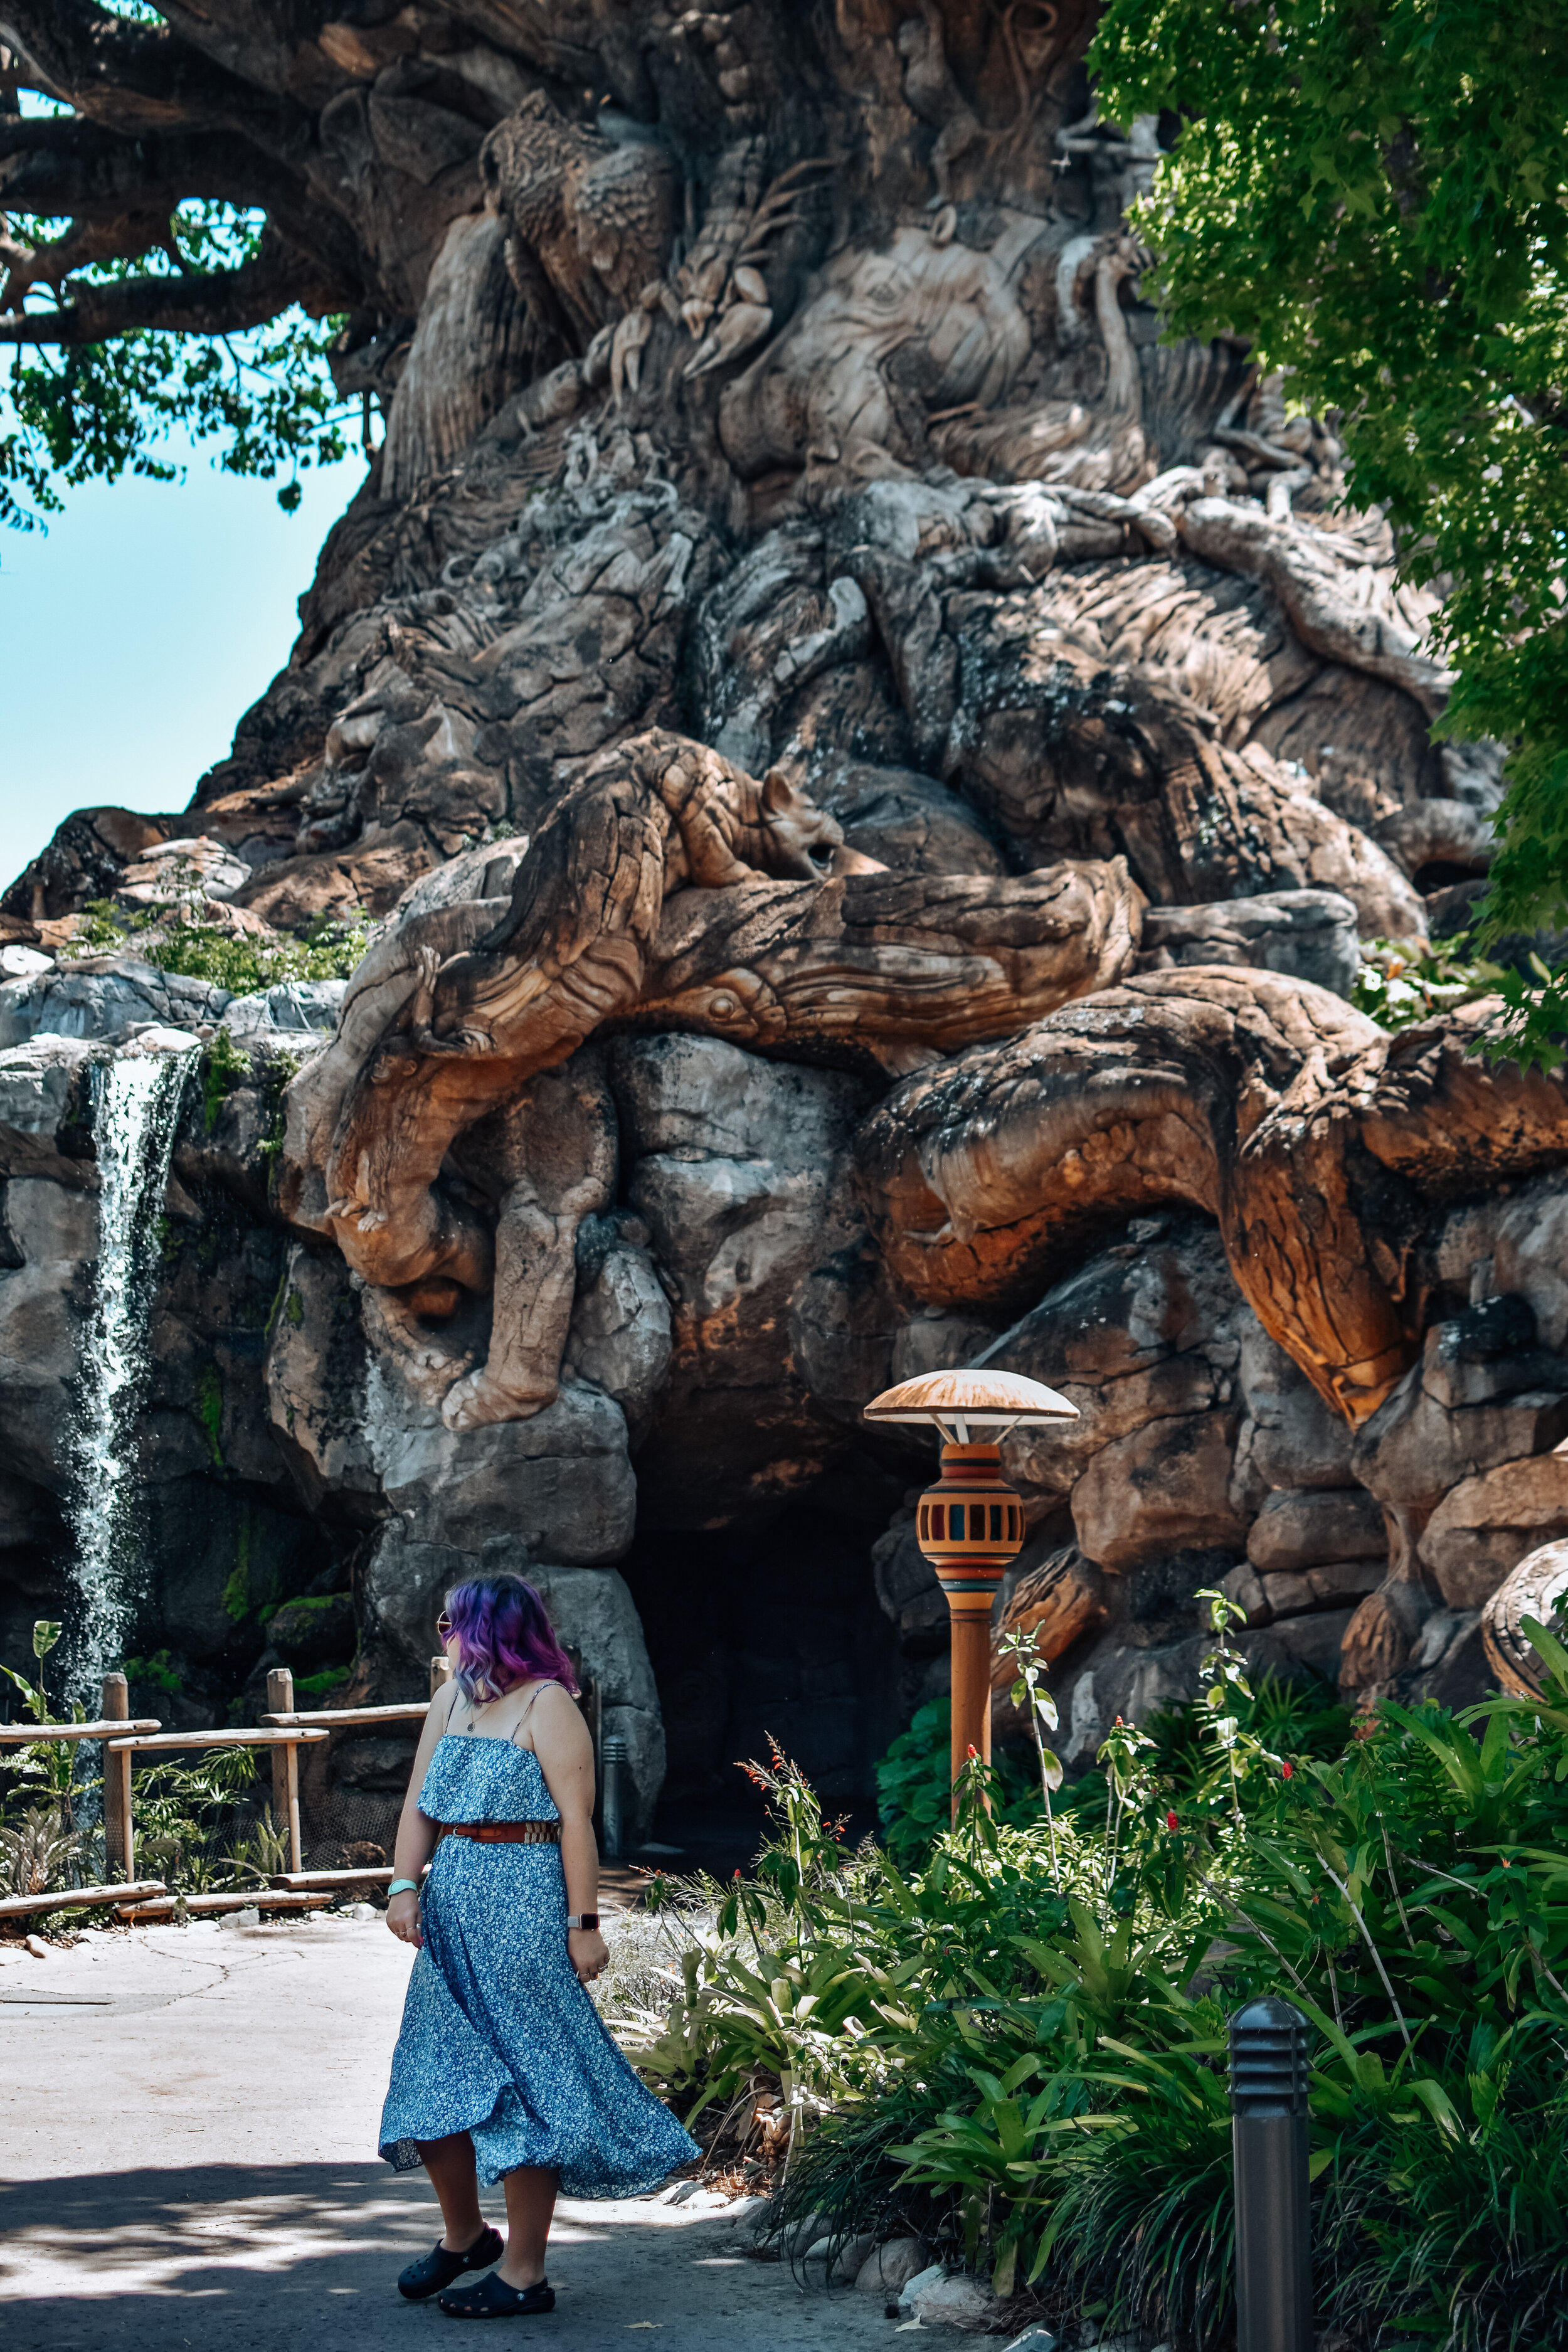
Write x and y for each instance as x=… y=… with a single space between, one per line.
x=219 y=219
x=1376 y=191
x=187 y=238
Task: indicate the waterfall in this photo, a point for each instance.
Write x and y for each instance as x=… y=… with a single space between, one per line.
x=136 y=1106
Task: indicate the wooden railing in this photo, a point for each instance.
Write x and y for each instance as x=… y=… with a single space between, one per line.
x=283 y=1728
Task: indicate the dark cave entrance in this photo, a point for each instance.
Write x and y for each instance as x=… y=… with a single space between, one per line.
x=765 y=1630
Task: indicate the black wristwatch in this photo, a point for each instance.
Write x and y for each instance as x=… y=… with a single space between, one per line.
x=582 y=1919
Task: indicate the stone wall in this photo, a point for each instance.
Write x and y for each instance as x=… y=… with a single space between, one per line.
x=726 y=1543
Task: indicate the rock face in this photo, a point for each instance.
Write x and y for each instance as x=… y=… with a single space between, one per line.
x=867 y=772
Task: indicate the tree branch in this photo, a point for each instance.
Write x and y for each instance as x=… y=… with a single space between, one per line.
x=215 y=302
x=135 y=79
x=76 y=167
x=119 y=194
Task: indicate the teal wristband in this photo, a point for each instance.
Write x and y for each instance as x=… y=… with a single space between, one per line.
x=403 y=1886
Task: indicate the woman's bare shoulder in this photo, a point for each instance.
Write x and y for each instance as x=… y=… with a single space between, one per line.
x=554 y=1712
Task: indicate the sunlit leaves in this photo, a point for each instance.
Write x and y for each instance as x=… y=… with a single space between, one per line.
x=264 y=397
x=1374 y=195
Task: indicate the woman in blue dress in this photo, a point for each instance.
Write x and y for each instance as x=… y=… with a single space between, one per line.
x=503 y=2070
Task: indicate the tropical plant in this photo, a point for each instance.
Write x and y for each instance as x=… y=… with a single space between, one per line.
x=1400 y=982
x=261 y=1852
x=181 y=940
x=1016 y=2046
x=38 y=1853
x=57 y=1763
x=181 y=1811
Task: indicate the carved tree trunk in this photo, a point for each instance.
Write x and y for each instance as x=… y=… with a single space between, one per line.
x=798 y=601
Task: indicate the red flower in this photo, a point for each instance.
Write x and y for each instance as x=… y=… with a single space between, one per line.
x=971 y=1752
x=1171 y=1821
x=1288 y=1772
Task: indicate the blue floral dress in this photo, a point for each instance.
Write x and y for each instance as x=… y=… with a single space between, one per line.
x=499 y=2037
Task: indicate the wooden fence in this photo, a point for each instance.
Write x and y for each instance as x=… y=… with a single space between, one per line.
x=284 y=1729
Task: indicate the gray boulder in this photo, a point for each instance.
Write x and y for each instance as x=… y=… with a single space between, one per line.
x=620 y=1337
x=107 y=1006
x=592 y=1610
x=1296 y=1530
x=298 y=1005
x=739 y=1170
x=356 y=1388
x=1312 y=935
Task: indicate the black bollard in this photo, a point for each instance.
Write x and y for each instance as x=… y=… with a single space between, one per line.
x=613 y=1758
x=1268 y=2139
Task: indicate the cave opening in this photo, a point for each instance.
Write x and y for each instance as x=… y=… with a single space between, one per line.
x=767 y=1630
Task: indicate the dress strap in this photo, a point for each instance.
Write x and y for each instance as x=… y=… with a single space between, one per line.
x=527 y=1711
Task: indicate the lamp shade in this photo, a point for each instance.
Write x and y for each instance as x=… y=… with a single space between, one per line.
x=960 y=1402
x=970 y=1523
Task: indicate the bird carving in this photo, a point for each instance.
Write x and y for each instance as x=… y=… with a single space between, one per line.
x=589 y=220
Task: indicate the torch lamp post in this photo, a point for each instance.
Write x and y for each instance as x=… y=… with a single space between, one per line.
x=970 y=1523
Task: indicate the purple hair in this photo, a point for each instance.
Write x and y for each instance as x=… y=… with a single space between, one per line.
x=504 y=1637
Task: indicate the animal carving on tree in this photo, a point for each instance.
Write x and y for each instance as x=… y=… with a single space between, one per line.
x=588 y=221
x=667 y=887
x=1318 y=1142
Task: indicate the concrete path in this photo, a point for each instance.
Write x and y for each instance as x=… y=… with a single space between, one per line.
x=187 y=2161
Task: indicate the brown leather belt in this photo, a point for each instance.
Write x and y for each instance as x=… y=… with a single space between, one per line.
x=507 y=1832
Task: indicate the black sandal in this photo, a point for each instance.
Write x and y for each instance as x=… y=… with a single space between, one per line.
x=440 y=2268
x=493 y=2299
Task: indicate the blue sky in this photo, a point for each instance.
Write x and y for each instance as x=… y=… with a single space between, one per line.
x=138 y=630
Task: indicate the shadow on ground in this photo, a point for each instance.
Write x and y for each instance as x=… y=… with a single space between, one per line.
x=271 y=2256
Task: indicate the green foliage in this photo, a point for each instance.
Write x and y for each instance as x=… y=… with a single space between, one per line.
x=307 y=1605
x=100 y=928
x=39 y=1853
x=263 y=1850
x=184 y=1812
x=1374 y=192
x=265 y=395
x=206 y=1403
x=224 y=1068
x=53 y=1762
x=244 y=964
x=914 y=1792
x=283 y=1069
x=322 y=1686
x=1301 y=1718
x=157 y=1672
x=1017 y=2046
x=179 y=940
x=1535 y=1025
x=1401 y=982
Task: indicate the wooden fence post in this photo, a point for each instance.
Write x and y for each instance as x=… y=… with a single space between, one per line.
x=440 y=1672
x=118 y=1834
x=285 y=1764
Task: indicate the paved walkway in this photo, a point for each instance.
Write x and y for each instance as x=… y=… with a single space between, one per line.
x=187 y=2161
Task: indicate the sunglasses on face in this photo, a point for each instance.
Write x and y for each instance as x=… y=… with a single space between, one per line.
x=444 y=1625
